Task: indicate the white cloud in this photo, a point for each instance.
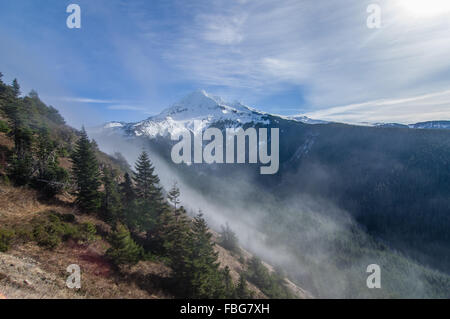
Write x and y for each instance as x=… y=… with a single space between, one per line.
x=125 y=107
x=428 y=107
x=324 y=47
x=85 y=100
x=249 y=49
x=223 y=30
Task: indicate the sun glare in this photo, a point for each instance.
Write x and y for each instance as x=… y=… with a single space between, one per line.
x=425 y=8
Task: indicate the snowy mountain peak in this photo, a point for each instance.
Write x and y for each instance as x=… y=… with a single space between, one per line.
x=442 y=125
x=200 y=105
x=201 y=108
x=199 y=100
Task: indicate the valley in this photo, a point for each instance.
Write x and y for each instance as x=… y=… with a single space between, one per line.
x=340 y=188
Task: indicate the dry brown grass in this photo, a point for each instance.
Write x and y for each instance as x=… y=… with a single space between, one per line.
x=6 y=141
x=22 y=277
x=65 y=163
x=226 y=258
x=19 y=205
x=99 y=279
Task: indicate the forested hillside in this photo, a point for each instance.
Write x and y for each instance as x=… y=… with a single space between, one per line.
x=61 y=195
x=395 y=182
x=344 y=197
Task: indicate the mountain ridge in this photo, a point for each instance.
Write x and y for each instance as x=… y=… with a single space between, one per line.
x=203 y=109
x=206 y=109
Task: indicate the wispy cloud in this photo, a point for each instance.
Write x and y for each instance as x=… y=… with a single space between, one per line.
x=86 y=100
x=125 y=107
x=427 y=107
x=323 y=47
x=115 y=104
x=222 y=29
x=152 y=53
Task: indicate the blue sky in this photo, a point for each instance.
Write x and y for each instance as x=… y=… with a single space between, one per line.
x=134 y=58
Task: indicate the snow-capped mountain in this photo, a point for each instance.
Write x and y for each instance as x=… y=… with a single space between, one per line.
x=437 y=125
x=306 y=120
x=396 y=125
x=202 y=109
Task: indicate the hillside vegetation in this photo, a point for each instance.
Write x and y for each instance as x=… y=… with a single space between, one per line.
x=63 y=201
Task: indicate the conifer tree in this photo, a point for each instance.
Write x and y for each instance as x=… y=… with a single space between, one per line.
x=111 y=202
x=45 y=151
x=174 y=234
x=146 y=180
x=126 y=189
x=33 y=95
x=203 y=267
x=229 y=289
x=86 y=173
x=150 y=200
x=21 y=168
x=2 y=84
x=51 y=178
x=16 y=88
x=123 y=249
x=242 y=291
x=174 y=196
x=129 y=205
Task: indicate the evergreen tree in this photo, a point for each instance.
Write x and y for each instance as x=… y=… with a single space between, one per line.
x=204 y=276
x=11 y=110
x=33 y=94
x=86 y=173
x=129 y=203
x=123 y=249
x=51 y=178
x=150 y=200
x=21 y=168
x=45 y=151
x=258 y=273
x=16 y=88
x=146 y=180
x=111 y=201
x=126 y=189
x=229 y=289
x=174 y=196
x=242 y=291
x=174 y=232
x=194 y=262
x=272 y=285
